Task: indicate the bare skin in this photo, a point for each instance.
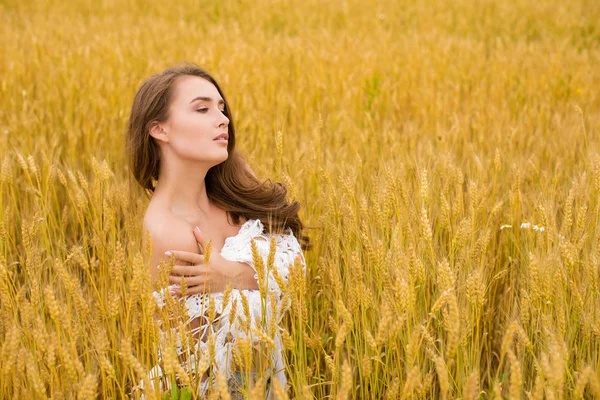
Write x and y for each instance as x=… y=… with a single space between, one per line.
x=180 y=203
x=179 y=234
x=188 y=149
x=172 y=236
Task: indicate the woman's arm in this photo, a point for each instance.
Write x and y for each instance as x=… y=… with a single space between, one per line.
x=177 y=238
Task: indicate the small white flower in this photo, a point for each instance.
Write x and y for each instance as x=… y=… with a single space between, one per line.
x=505 y=226
x=526 y=225
x=541 y=229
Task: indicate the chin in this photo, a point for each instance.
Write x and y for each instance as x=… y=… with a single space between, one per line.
x=221 y=160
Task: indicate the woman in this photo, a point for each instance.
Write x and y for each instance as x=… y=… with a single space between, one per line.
x=181 y=140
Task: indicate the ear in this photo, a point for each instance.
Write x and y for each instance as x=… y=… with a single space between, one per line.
x=158 y=133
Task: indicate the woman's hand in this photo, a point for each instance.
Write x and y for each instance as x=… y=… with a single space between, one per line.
x=211 y=276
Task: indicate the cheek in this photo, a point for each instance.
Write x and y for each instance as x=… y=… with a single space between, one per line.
x=188 y=149
x=186 y=132
x=190 y=138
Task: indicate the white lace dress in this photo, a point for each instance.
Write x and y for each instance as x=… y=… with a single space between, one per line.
x=238 y=248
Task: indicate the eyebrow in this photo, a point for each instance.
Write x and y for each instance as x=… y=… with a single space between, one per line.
x=209 y=99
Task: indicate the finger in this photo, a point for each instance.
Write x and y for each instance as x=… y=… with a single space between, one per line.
x=192 y=290
x=175 y=279
x=186 y=256
x=188 y=270
x=202 y=287
x=174 y=290
x=197 y=289
x=199 y=239
x=189 y=281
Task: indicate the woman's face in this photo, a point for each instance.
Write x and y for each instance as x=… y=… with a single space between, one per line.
x=196 y=120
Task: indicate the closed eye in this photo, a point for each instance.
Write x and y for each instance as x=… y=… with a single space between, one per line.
x=203 y=110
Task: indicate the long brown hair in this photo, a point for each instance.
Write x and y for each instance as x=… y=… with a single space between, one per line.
x=230 y=185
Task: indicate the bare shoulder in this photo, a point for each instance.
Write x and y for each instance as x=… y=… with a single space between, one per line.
x=167 y=232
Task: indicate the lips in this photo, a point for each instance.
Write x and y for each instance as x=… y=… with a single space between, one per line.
x=222 y=136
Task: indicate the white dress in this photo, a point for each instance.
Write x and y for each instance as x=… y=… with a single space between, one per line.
x=238 y=248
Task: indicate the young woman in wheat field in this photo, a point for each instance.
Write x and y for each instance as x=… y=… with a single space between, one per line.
x=181 y=140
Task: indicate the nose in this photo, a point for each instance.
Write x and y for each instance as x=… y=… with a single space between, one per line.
x=224 y=122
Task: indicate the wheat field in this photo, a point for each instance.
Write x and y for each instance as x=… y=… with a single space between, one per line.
x=446 y=155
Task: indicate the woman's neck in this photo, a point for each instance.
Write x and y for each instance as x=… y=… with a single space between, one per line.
x=181 y=188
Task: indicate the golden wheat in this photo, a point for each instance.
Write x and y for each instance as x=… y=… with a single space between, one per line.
x=451 y=181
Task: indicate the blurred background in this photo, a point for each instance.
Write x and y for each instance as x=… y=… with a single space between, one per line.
x=446 y=155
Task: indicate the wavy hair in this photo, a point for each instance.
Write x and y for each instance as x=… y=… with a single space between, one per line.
x=230 y=185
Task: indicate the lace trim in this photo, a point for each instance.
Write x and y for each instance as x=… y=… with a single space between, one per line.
x=225 y=329
x=247 y=228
